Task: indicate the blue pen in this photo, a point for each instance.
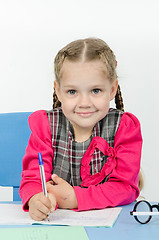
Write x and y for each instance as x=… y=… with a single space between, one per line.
x=42 y=173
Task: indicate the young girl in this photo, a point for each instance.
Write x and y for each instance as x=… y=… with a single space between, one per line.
x=90 y=151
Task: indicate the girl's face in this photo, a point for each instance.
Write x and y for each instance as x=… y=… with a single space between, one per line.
x=85 y=93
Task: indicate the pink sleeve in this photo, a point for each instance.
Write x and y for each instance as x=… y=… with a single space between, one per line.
x=122 y=186
x=40 y=141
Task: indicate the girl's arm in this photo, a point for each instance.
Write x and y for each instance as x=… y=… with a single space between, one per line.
x=40 y=141
x=122 y=186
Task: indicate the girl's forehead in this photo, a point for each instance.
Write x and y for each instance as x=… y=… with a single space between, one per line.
x=81 y=67
x=84 y=75
x=98 y=63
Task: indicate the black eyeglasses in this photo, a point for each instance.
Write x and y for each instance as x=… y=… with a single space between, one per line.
x=143 y=211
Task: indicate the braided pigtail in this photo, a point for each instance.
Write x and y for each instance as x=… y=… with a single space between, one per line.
x=141 y=180
x=119 y=100
x=56 y=102
x=59 y=59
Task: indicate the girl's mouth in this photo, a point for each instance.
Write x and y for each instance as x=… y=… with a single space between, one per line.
x=85 y=114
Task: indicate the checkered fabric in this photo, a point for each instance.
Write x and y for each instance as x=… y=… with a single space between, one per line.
x=68 y=153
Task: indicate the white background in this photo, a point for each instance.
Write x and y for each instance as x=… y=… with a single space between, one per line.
x=32 y=31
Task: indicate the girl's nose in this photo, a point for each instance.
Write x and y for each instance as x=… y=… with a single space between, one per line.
x=84 y=100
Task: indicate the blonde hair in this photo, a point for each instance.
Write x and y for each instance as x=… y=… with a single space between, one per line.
x=90 y=49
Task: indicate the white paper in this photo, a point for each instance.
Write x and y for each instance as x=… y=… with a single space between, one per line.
x=6 y=193
x=13 y=214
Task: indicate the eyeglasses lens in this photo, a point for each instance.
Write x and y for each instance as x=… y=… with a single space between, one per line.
x=143 y=207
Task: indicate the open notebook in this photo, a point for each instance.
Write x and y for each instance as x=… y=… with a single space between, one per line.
x=12 y=214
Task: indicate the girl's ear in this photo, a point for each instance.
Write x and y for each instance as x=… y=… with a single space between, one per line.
x=57 y=89
x=114 y=88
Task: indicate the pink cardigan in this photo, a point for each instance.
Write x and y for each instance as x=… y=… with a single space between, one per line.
x=123 y=165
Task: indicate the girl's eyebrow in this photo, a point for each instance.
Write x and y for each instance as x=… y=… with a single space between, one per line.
x=69 y=86
x=92 y=87
x=98 y=86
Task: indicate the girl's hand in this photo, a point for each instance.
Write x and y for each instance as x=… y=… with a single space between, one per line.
x=63 y=191
x=40 y=206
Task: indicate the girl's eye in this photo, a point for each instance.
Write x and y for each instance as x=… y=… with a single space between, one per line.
x=96 y=91
x=71 y=92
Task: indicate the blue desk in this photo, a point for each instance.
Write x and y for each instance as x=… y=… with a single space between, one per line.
x=125 y=228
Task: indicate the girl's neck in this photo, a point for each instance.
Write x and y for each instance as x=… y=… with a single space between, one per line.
x=82 y=135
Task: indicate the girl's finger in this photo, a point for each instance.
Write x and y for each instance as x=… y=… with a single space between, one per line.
x=53 y=201
x=43 y=208
x=45 y=201
x=38 y=215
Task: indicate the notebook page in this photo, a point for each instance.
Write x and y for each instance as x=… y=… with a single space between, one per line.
x=12 y=214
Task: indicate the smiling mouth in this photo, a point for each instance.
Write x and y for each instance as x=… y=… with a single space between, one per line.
x=85 y=114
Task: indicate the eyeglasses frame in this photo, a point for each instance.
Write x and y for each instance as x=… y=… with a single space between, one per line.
x=151 y=207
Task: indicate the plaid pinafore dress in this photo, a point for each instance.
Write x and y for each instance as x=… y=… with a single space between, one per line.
x=85 y=163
